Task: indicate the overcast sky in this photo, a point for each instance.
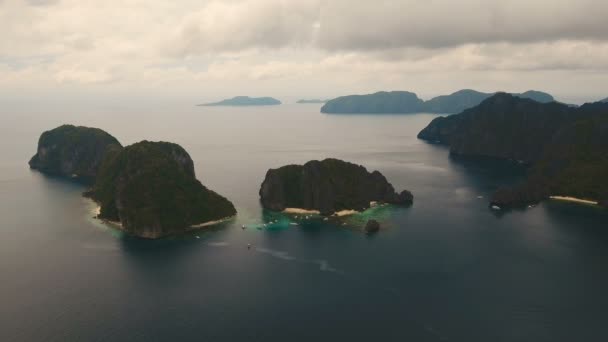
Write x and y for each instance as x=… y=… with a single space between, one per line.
x=289 y=49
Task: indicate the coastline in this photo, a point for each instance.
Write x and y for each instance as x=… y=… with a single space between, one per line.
x=96 y=210
x=573 y=199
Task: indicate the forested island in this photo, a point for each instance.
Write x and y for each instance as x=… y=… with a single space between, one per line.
x=327 y=187
x=566 y=147
x=403 y=102
x=148 y=189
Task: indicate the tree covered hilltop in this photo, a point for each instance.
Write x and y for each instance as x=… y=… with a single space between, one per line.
x=565 y=146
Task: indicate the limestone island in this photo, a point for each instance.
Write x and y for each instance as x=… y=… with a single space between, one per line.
x=565 y=147
x=403 y=102
x=72 y=151
x=327 y=187
x=245 y=101
x=313 y=101
x=147 y=189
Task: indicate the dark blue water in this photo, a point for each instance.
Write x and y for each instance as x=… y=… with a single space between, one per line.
x=447 y=269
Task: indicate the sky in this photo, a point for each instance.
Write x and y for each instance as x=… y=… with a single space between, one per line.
x=60 y=50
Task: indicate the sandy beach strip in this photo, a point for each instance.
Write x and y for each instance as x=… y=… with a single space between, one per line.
x=346 y=213
x=301 y=211
x=573 y=199
x=212 y=223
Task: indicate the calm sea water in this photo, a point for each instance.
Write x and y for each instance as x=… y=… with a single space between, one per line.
x=446 y=269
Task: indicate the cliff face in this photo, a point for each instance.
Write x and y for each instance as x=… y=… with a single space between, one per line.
x=150 y=187
x=566 y=147
x=381 y=102
x=406 y=102
x=72 y=151
x=328 y=186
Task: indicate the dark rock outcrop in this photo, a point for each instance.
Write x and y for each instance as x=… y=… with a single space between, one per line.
x=327 y=186
x=151 y=189
x=246 y=101
x=565 y=146
x=405 y=102
x=372 y=226
x=71 y=151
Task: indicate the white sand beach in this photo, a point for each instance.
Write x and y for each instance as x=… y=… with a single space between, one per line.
x=301 y=211
x=346 y=213
x=573 y=199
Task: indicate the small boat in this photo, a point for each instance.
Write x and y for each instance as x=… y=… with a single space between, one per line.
x=243 y=227
x=248 y=246
x=198 y=237
x=495 y=207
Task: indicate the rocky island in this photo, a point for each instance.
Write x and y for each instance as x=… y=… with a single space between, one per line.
x=401 y=102
x=327 y=186
x=394 y=102
x=566 y=147
x=246 y=101
x=72 y=151
x=147 y=189
x=150 y=189
x=314 y=101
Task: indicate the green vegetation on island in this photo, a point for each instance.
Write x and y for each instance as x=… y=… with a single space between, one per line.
x=327 y=186
x=148 y=188
x=565 y=146
x=151 y=189
x=72 y=151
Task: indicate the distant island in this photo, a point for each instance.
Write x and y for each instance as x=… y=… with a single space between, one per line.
x=147 y=189
x=403 y=102
x=314 y=101
x=327 y=187
x=565 y=146
x=246 y=101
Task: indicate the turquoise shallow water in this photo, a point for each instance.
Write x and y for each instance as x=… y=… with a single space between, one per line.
x=446 y=269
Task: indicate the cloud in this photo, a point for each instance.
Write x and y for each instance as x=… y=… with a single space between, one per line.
x=389 y=24
x=237 y=26
x=323 y=47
